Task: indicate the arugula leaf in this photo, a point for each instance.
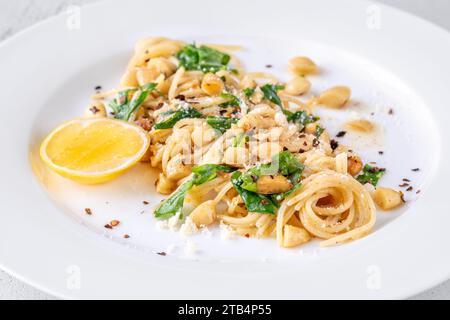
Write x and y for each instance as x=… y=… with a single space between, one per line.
x=208 y=172
x=240 y=140
x=270 y=93
x=287 y=163
x=319 y=131
x=254 y=202
x=123 y=107
x=249 y=92
x=370 y=175
x=176 y=116
x=284 y=163
x=233 y=100
x=174 y=204
x=202 y=58
x=221 y=123
x=302 y=118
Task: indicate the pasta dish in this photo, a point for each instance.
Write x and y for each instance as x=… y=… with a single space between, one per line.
x=243 y=150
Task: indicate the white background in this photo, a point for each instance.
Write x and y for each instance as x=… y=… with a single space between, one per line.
x=19 y=14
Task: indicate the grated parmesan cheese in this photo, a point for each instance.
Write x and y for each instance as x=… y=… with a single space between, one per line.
x=188 y=228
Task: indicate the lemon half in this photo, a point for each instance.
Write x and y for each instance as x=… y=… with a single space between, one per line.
x=94 y=150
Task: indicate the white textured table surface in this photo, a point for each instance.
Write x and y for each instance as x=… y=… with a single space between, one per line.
x=19 y=14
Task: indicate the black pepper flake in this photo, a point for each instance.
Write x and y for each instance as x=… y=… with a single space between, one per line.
x=145 y=202
x=380 y=152
x=403 y=185
x=340 y=134
x=126 y=236
x=391 y=111
x=376 y=169
x=407 y=180
x=94 y=109
x=334 y=144
x=161 y=253
x=180 y=97
x=269 y=66
x=88 y=211
x=98 y=88
x=418 y=191
x=108 y=226
x=409 y=188
x=302 y=135
x=415 y=169
x=315 y=142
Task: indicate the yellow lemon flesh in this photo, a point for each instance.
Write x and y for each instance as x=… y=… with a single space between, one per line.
x=94 y=150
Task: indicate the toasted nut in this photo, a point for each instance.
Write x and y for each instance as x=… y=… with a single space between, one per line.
x=95 y=110
x=273 y=184
x=164 y=185
x=310 y=128
x=236 y=156
x=294 y=236
x=297 y=86
x=129 y=79
x=354 y=165
x=302 y=66
x=335 y=97
x=204 y=214
x=248 y=82
x=144 y=123
x=266 y=150
x=212 y=84
x=176 y=169
x=162 y=66
x=387 y=198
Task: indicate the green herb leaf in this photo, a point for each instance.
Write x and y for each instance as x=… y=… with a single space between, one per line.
x=123 y=107
x=287 y=163
x=302 y=118
x=202 y=58
x=270 y=93
x=249 y=92
x=240 y=140
x=232 y=100
x=175 y=202
x=254 y=202
x=370 y=175
x=221 y=124
x=208 y=172
x=319 y=131
x=284 y=163
x=176 y=116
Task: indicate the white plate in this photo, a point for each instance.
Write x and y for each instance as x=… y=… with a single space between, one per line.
x=49 y=71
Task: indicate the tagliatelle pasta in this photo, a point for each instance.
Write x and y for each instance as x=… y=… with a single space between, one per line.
x=243 y=149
